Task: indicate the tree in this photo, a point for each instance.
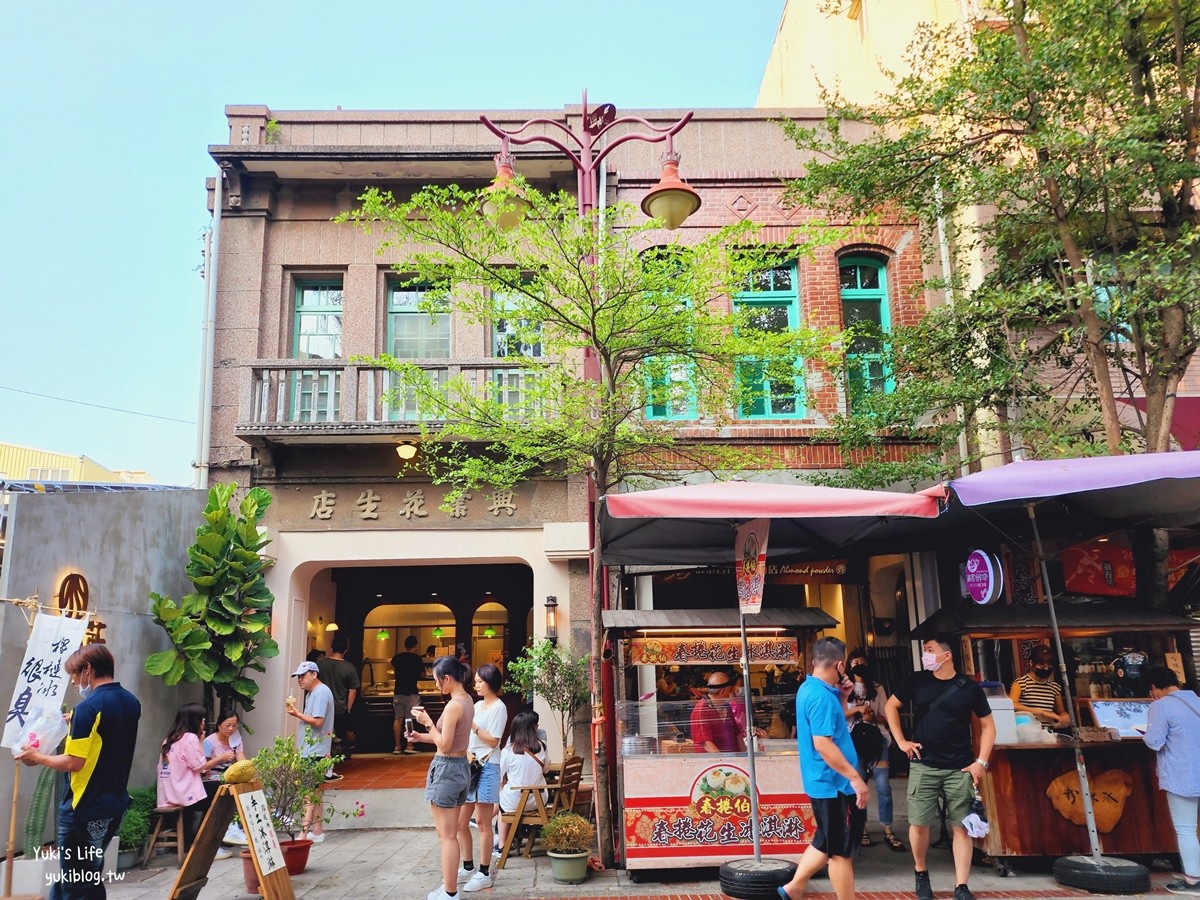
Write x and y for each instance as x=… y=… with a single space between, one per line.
x=1056 y=144
x=221 y=629
x=616 y=344
x=557 y=676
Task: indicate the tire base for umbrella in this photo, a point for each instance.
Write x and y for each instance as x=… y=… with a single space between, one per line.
x=747 y=879
x=1106 y=875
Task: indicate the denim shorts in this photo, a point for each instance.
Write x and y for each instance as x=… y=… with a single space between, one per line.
x=488 y=790
x=448 y=781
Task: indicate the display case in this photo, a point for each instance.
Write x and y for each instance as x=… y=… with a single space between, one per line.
x=683 y=806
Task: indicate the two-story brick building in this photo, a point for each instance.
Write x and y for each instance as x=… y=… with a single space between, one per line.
x=298 y=296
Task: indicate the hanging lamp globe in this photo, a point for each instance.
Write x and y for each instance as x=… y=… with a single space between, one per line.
x=503 y=202
x=672 y=200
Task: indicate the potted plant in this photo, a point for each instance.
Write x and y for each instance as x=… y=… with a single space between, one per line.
x=568 y=839
x=135 y=828
x=554 y=674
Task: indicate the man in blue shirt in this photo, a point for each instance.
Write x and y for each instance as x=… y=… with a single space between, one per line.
x=828 y=767
x=98 y=757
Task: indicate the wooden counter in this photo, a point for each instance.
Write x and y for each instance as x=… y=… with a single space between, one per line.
x=1032 y=797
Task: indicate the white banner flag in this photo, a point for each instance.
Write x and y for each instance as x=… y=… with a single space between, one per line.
x=42 y=680
x=751 y=553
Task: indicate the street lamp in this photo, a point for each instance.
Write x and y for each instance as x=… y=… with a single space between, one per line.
x=670 y=200
x=552 y=619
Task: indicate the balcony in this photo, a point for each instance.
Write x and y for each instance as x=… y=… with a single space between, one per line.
x=326 y=401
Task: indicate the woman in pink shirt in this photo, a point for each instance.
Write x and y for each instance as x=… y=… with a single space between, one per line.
x=181 y=766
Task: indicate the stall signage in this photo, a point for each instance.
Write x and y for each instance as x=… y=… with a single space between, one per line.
x=983 y=576
x=684 y=650
x=1106 y=568
x=695 y=807
x=750 y=549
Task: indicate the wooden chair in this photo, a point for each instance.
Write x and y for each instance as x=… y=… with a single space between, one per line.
x=169 y=838
x=560 y=798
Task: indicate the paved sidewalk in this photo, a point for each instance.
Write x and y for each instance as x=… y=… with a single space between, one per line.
x=403 y=864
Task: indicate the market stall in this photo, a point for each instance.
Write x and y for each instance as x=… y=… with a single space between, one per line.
x=682 y=806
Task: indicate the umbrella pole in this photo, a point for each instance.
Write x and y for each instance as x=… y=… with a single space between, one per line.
x=1085 y=788
x=750 y=740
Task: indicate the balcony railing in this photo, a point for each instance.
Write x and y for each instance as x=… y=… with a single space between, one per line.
x=313 y=395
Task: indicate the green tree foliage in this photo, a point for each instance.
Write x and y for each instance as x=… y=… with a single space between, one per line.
x=220 y=631
x=553 y=673
x=1056 y=142
x=622 y=326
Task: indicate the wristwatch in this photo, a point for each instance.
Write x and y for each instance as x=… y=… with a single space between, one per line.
x=982 y=762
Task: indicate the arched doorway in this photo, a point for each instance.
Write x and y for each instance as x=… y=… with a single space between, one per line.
x=489 y=635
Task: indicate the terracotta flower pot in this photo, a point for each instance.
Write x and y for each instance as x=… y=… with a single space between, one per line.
x=295 y=855
x=249 y=873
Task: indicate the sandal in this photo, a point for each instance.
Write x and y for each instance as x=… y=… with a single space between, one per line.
x=866 y=840
x=893 y=842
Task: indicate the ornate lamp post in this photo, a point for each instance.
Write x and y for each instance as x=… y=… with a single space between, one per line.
x=671 y=200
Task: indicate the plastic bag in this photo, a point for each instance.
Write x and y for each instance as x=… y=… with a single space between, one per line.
x=976 y=821
x=44 y=730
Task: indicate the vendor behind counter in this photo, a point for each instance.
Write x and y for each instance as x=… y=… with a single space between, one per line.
x=1037 y=692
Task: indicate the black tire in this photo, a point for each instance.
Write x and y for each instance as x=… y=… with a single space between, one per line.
x=746 y=879
x=1108 y=875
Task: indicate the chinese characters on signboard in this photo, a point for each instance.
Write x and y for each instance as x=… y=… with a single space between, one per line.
x=369 y=506
x=256 y=820
x=750 y=548
x=684 y=651
x=42 y=680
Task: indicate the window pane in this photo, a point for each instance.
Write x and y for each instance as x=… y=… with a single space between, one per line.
x=419 y=336
x=866 y=317
x=772 y=319
x=868 y=278
x=849 y=277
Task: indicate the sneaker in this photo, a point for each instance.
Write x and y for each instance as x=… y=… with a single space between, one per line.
x=962 y=892
x=320 y=839
x=410 y=752
x=479 y=881
x=397 y=752
x=223 y=853
x=438 y=893
x=465 y=874
x=1182 y=886
x=235 y=835
x=924 y=888
x=333 y=776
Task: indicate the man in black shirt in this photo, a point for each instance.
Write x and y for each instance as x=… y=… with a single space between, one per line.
x=943 y=763
x=409 y=669
x=342 y=677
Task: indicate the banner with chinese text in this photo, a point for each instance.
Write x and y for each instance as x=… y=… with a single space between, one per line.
x=694 y=809
x=42 y=680
x=700 y=651
x=750 y=551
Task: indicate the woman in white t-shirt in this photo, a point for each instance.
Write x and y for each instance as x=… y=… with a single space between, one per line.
x=522 y=764
x=487 y=728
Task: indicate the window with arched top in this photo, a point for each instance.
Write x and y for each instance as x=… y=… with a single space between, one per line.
x=863 y=289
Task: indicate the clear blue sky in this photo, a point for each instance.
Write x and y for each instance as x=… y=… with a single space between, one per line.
x=108 y=111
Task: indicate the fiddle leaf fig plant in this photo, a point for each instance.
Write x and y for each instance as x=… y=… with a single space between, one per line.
x=219 y=632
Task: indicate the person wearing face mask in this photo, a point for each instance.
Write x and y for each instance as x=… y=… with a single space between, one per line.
x=98 y=757
x=714 y=729
x=865 y=707
x=1037 y=693
x=943 y=766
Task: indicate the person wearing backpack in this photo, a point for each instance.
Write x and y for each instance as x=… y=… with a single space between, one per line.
x=943 y=763
x=1173 y=733
x=868 y=730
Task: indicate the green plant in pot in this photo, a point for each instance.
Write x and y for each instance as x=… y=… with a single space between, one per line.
x=558 y=677
x=290 y=780
x=568 y=839
x=135 y=827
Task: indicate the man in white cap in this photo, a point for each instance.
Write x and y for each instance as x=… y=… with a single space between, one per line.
x=316 y=738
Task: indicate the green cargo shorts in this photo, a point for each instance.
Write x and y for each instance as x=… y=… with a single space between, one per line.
x=926 y=784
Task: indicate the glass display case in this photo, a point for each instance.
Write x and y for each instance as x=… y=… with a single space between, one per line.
x=650 y=727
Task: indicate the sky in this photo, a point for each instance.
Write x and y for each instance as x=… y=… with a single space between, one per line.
x=109 y=110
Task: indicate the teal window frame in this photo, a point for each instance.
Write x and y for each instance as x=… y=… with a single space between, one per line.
x=675 y=406
x=316 y=392
x=860 y=379
x=766 y=293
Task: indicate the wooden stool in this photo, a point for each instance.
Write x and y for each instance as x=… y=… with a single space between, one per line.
x=168 y=838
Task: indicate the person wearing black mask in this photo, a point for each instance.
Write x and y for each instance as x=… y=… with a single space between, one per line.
x=1037 y=692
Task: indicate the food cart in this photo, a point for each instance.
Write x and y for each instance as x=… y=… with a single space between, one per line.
x=1039 y=766
x=682 y=806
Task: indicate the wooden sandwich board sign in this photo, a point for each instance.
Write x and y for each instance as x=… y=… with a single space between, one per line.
x=250 y=804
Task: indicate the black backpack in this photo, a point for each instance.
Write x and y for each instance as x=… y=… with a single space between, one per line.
x=868 y=743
